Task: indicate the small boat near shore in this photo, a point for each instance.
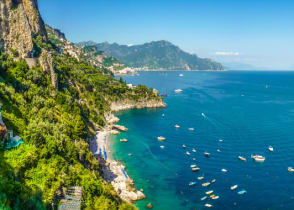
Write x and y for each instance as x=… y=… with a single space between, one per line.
x=188 y=153
x=290 y=169
x=195 y=169
x=218 y=150
x=123 y=140
x=162 y=147
x=160 y=138
x=178 y=90
x=206 y=184
x=181 y=75
x=206 y=154
x=213 y=181
x=234 y=187
x=192 y=184
x=208 y=205
x=214 y=197
x=209 y=192
x=193 y=150
x=200 y=178
x=224 y=170
x=191 y=129
x=242 y=192
x=203 y=115
x=177 y=126
x=193 y=166
x=258 y=158
x=241 y=158
x=184 y=146
x=270 y=148
x=203 y=198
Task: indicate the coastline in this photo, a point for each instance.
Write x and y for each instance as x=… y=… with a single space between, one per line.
x=113 y=171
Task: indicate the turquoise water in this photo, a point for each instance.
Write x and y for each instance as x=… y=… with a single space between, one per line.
x=240 y=110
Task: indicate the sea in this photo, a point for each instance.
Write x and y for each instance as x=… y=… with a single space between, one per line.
x=233 y=113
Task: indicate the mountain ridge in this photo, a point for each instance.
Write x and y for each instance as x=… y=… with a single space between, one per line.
x=161 y=55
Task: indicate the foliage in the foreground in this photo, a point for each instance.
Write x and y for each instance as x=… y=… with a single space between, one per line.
x=55 y=126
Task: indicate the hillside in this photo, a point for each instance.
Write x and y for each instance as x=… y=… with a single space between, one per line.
x=157 y=55
x=86 y=53
x=54 y=101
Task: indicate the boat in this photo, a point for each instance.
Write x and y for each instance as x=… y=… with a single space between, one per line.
x=178 y=90
x=184 y=146
x=290 y=169
x=200 y=178
x=203 y=198
x=162 y=147
x=242 y=192
x=191 y=129
x=193 y=150
x=123 y=140
x=241 y=158
x=215 y=197
x=203 y=115
x=218 y=150
x=234 y=187
x=177 y=126
x=130 y=154
x=188 y=153
x=270 y=148
x=208 y=205
x=193 y=166
x=193 y=158
x=258 y=158
x=162 y=115
x=195 y=169
x=181 y=75
x=206 y=184
x=213 y=181
x=209 y=192
x=160 y=138
x=220 y=140
x=206 y=154
x=224 y=170
x=192 y=183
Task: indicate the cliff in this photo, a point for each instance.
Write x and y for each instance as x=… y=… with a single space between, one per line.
x=20 y=21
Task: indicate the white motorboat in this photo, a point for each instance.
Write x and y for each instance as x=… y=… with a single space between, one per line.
x=258 y=158
x=270 y=148
x=241 y=158
x=178 y=90
x=234 y=187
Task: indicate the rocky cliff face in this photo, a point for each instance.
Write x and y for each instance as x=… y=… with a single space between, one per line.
x=20 y=20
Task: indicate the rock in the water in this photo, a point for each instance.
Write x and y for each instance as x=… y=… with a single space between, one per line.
x=149 y=206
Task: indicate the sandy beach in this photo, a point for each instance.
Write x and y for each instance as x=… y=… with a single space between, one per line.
x=114 y=172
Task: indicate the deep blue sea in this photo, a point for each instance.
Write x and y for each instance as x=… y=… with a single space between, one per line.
x=241 y=111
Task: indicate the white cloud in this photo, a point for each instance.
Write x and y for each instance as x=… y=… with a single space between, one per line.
x=227 y=53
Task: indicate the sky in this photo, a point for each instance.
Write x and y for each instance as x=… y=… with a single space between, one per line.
x=259 y=33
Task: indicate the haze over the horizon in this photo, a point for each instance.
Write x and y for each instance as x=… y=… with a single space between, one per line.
x=254 y=32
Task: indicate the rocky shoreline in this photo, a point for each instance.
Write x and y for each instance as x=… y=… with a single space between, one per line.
x=124 y=105
x=113 y=171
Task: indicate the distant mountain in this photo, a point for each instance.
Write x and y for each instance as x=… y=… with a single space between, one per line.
x=161 y=55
